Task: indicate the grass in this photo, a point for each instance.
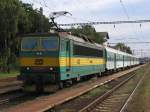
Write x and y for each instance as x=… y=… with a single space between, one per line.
x=141 y=100
x=11 y=74
x=95 y=92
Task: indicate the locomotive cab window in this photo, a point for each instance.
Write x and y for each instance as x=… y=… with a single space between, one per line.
x=49 y=43
x=39 y=43
x=29 y=43
x=86 y=51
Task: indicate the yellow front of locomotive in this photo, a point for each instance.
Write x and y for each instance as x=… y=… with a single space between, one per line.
x=39 y=60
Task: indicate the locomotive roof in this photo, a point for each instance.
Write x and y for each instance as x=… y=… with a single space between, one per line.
x=38 y=34
x=83 y=40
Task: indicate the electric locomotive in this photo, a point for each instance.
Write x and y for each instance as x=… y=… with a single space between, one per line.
x=57 y=58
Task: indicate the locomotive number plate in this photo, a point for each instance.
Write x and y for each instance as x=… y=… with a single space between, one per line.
x=38 y=61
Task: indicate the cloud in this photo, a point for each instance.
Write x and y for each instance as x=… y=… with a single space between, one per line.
x=80 y=5
x=104 y=10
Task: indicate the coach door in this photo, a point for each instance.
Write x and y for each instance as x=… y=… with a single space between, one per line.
x=68 y=53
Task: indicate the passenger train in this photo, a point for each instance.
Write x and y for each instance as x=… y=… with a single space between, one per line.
x=57 y=58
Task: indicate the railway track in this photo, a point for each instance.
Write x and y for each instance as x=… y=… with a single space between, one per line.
x=8 y=79
x=7 y=97
x=117 y=98
x=16 y=97
x=10 y=86
x=11 y=92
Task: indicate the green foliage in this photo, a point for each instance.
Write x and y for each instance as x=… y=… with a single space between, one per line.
x=13 y=73
x=17 y=18
x=89 y=32
x=123 y=47
x=32 y=20
x=9 y=14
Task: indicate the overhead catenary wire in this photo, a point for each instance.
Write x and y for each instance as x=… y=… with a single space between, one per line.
x=95 y=23
x=132 y=26
x=133 y=43
x=75 y=18
x=106 y=22
x=128 y=17
x=124 y=9
x=44 y=4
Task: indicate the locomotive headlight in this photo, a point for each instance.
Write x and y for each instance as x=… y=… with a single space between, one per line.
x=50 y=68
x=28 y=68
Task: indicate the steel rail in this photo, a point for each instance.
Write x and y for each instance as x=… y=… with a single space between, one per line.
x=9 y=98
x=92 y=105
x=132 y=94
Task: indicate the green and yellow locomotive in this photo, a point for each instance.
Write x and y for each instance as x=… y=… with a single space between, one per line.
x=56 y=58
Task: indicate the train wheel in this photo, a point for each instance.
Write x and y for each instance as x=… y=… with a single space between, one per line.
x=70 y=82
x=98 y=75
x=61 y=85
x=74 y=81
x=39 y=89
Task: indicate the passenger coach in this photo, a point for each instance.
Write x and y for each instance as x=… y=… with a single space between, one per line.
x=116 y=59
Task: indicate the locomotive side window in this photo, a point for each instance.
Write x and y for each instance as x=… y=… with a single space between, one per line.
x=63 y=45
x=86 y=51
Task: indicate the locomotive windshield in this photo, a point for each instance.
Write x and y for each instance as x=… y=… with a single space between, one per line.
x=29 y=43
x=49 y=43
x=41 y=43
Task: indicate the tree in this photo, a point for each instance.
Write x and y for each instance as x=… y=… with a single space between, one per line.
x=9 y=11
x=123 y=47
x=17 y=18
x=89 y=32
x=32 y=20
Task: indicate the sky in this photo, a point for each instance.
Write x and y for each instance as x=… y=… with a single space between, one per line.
x=106 y=10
